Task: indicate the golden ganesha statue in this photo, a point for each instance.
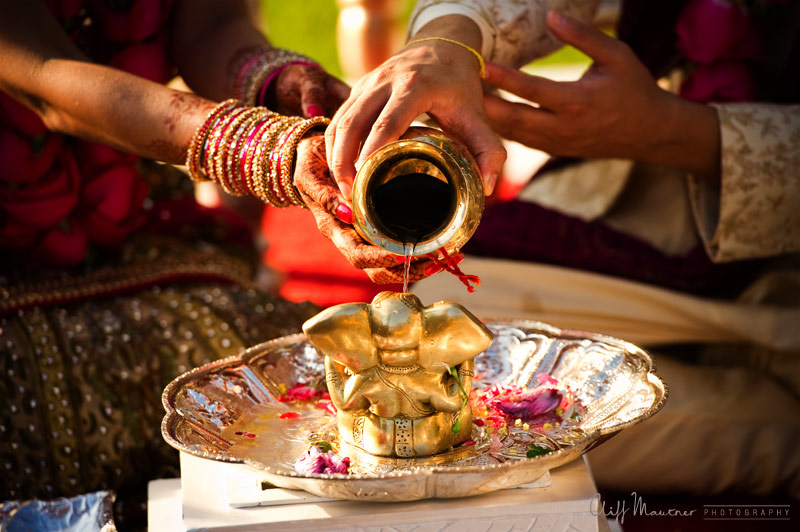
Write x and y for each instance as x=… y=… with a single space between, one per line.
x=399 y=373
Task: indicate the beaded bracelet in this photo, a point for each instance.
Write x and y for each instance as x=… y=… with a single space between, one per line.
x=261 y=98
x=259 y=68
x=249 y=150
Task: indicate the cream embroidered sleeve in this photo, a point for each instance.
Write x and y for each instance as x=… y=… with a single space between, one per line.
x=756 y=211
x=514 y=31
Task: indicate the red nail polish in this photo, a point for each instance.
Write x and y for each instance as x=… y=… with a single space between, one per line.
x=400 y=259
x=345 y=213
x=315 y=110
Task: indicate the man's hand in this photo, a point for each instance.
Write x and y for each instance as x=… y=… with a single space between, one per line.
x=615 y=110
x=434 y=77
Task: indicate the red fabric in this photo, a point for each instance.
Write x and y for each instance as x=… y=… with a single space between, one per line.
x=314 y=269
x=24 y=160
x=111 y=205
x=147 y=60
x=45 y=202
x=730 y=36
x=21 y=118
x=62 y=246
x=136 y=23
x=59 y=195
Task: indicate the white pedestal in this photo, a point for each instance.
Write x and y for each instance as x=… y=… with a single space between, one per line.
x=202 y=500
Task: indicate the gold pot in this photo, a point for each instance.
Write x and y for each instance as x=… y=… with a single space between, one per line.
x=424 y=190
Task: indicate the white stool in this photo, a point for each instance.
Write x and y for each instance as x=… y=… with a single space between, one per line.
x=216 y=496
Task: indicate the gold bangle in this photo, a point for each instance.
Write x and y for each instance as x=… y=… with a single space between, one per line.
x=195 y=151
x=259 y=167
x=481 y=65
x=290 y=154
x=251 y=162
x=230 y=156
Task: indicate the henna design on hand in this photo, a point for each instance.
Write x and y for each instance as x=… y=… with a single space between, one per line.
x=320 y=193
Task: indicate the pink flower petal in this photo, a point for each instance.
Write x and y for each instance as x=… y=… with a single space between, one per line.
x=315 y=462
x=531 y=403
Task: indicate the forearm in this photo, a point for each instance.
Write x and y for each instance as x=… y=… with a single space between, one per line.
x=72 y=95
x=112 y=107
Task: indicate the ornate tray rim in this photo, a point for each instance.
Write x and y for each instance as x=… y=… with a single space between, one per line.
x=548 y=461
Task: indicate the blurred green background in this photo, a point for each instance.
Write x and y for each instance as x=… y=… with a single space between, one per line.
x=309 y=27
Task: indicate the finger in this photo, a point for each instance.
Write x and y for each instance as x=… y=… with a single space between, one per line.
x=479 y=138
x=356 y=250
x=344 y=237
x=546 y=92
x=516 y=120
x=384 y=275
x=330 y=141
x=593 y=42
x=352 y=127
x=326 y=197
x=312 y=178
x=337 y=92
x=312 y=96
x=419 y=270
x=330 y=132
x=396 y=275
x=391 y=123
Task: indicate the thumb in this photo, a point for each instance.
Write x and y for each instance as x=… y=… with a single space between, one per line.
x=593 y=42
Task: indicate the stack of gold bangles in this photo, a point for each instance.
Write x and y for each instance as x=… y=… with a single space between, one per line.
x=250 y=151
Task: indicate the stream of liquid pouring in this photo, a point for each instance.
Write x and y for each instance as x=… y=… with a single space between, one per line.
x=408 y=251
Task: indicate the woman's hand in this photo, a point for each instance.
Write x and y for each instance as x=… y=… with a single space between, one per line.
x=615 y=110
x=305 y=90
x=434 y=77
x=313 y=180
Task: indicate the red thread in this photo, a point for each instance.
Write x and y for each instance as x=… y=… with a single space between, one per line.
x=450 y=264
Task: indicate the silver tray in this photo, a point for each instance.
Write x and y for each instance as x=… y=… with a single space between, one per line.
x=228 y=411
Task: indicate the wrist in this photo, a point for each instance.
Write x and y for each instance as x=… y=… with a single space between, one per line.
x=456 y=27
x=250 y=151
x=689 y=138
x=454 y=38
x=433 y=12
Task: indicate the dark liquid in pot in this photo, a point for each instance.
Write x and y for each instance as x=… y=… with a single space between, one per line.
x=412 y=207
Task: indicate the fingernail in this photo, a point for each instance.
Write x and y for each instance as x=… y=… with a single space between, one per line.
x=491 y=182
x=345 y=213
x=558 y=18
x=433 y=268
x=315 y=110
x=346 y=189
x=359 y=164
